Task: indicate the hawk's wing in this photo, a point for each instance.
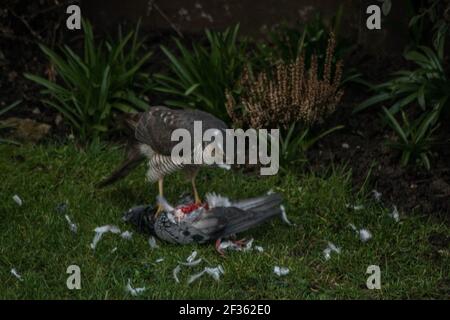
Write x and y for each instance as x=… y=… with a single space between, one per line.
x=155 y=126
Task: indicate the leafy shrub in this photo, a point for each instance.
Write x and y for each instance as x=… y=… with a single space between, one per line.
x=291 y=92
x=94 y=85
x=415 y=139
x=286 y=43
x=297 y=141
x=430 y=21
x=200 y=76
x=422 y=91
x=427 y=85
x=291 y=97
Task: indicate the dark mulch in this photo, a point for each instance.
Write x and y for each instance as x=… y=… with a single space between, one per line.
x=411 y=188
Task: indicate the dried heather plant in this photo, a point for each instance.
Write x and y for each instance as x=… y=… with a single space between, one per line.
x=289 y=93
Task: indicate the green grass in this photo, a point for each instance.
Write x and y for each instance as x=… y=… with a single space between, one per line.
x=36 y=240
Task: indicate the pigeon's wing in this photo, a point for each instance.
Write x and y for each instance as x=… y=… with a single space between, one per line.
x=155 y=127
x=224 y=221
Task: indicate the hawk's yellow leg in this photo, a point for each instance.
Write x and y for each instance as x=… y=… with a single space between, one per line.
x=160 y=188
x=196 y=196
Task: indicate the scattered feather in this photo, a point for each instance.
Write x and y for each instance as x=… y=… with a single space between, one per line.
x=395 y=214
x=99 y=231
x=224 y=166
x=195 y=277
x=17 y=200
x=215 y=273
x=192 y=263
x=107 y=228
x=192 y=256
x=329 y=249
x=16 y=274
x=175 y=273
x=355 y=207
x=114 y=250
x=284 y=216
x=127 y=235
x=259 y=248
x=133 y=291
x=364 y=234
x=280 y=271
x=72 y=226
x=152 y=242
x=159 y=260
x=377 y=195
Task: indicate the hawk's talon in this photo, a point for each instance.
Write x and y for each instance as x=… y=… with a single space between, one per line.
x=159 y=210
x=198 y=201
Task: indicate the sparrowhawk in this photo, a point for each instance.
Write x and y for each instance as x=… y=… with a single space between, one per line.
x=152 y=131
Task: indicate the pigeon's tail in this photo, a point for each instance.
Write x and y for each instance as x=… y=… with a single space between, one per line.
x=252 y=213
x=133 y=159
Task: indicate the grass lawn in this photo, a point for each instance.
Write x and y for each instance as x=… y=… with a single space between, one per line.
x=37 y=241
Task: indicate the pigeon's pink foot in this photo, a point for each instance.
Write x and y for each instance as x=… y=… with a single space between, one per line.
x=217 y=246
x=239 y=243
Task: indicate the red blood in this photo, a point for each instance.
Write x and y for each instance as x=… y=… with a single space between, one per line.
x=191 y=207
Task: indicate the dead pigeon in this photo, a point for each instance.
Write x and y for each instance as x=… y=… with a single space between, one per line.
x=218 y=218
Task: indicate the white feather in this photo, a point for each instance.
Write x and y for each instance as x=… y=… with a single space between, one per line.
x=215 y=273
x=365 y=235
x=133 y=291
x=215 y=200
x=192 y=263
x=127 y=235
x=152 y=242
x=284 y=216
x=329 y=249
x=72 y=226
x=192 y=256
x=395 y=215
x=99 y=231
x=175 y=273
x=280 y=271
x=17 y=200
x=16 y=274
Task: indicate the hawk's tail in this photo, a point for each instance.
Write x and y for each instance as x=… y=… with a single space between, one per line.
x=133 y=159
x=134 y=156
